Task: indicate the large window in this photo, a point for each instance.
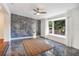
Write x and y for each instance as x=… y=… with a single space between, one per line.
x=57 y=27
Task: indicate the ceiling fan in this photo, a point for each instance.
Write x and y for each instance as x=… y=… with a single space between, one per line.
x=39 y=11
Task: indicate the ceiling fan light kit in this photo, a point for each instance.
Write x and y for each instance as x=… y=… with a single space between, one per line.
x=37 y=13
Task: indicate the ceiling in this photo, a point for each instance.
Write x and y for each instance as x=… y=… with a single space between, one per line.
x=52 y=9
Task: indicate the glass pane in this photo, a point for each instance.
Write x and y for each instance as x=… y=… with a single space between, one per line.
x=50 y=23
x=50 y=30
x=59 y=27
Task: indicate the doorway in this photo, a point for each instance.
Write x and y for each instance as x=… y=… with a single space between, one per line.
x=38 y=28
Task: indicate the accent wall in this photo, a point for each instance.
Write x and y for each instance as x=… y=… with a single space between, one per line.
x=21 y=26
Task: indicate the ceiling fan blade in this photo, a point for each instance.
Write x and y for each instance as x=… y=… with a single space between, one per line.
x=36 y=10
x=43 y=12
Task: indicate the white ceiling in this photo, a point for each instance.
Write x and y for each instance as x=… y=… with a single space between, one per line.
x=26 y=9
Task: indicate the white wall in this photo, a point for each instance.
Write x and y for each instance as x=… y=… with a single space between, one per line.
x=72 y=28
x=1 y=25
x=69 y=30
x=44 y=27
x=7 y=32
x=4 y=23
x=75 y=16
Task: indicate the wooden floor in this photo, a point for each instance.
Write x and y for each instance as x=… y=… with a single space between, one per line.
x=3 y=48
x=35 y=46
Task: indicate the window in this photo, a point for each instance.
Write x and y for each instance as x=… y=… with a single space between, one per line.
x=50 y=27
x=59 y=27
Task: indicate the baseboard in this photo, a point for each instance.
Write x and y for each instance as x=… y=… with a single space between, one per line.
x=75 y=47
x=21 y=38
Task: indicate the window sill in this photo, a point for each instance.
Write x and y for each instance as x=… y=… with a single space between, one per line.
x=61 y=36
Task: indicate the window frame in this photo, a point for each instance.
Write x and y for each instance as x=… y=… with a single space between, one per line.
x=62 y=18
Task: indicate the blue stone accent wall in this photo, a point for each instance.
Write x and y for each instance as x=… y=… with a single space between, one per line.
x=21 y=26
